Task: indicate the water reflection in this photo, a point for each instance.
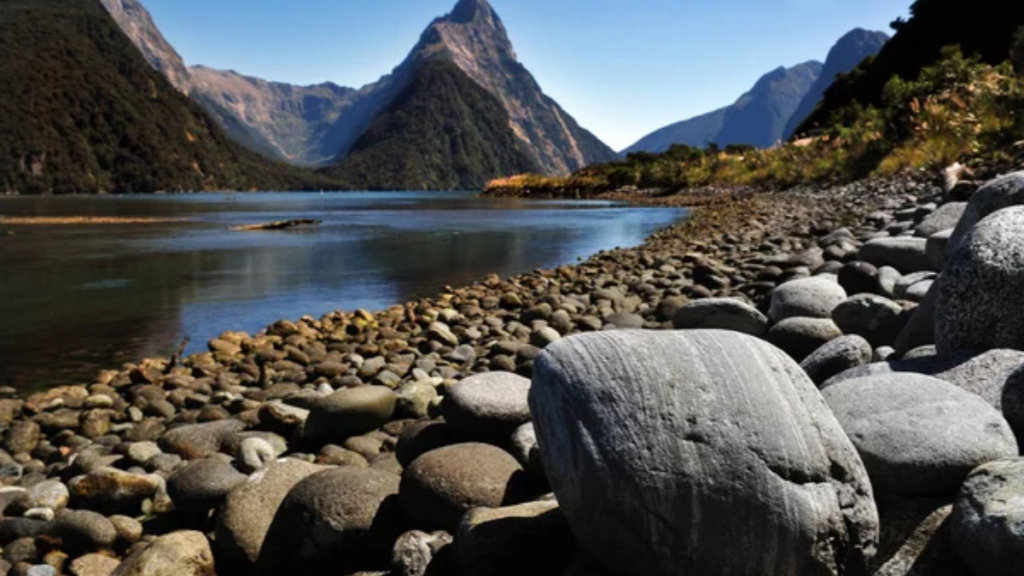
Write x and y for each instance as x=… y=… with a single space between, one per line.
x=77 y=297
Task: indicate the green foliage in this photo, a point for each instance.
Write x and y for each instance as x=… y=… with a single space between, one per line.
x=960 y=109
x=442 y=132
x=82 y=112
x=983 y=28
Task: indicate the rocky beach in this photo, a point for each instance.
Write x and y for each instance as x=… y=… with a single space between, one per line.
x=818 y=381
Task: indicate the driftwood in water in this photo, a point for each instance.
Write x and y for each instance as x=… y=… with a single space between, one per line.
x=282 y=225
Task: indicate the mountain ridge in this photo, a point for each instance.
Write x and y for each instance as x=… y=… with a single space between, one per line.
x=844 y=56
x=259 y=114
x=81 y=110
x=783 y=102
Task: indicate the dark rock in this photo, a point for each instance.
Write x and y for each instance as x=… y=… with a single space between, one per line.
x=442 y=485
x=918 y=435
x=721 y=314
x=337 y=521
x=488 y=407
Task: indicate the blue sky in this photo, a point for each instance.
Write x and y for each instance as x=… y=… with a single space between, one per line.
x=622 y=68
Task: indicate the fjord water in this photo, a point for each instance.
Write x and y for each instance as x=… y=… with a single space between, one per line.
x=78 y=298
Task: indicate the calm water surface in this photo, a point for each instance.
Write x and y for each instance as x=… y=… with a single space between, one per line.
x=77 y=298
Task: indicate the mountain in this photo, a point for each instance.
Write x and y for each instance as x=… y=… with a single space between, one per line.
x=474 y=37
x=293 y=123
x=316 y=125
x=985 y=28
x=442 y=132
x=849 y=51
x=759 y=117
x=82 y=111
x=697 y=132
x=138 y=24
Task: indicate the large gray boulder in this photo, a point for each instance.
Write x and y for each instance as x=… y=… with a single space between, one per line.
x=978 y=306
x=918 y=435
x=903 y=253
x=986 y=521
x=699 y=452
x=946 y=217
x=338 y=521
x=488 y=407
x=721 y=314
x=996 y=195
x=986 y=375
x=806 y=298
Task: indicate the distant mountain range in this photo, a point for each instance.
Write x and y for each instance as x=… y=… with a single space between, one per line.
x=770 y=111
x=82 y=112
x=319 y=125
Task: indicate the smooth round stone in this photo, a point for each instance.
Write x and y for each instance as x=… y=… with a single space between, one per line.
x=82 y=531
x=918 y=435
x=140 y=452
x=859 y=278
x=203 y=484
x=415 y=399
x=349 y=412
x=806 y=298
x=255 y=454
x=422 y=437
x=543 y=337
x=51 y=494
x=183 y=553
x=800 y=337
x=979 y=291
x=532 y=538
x=249 y=510
x=489 y=406
x=836 y=357
x=875 y=318
x=699 y=452
x=523 y=445
x=986 y=526
x=94 y=565
x=196 y=441
x=442 y=485
x=903 y=253
x=112 y=491
x=721 y=314
x=1003 y=192
x=338 y=521
x=624 y=321
x=946 y=217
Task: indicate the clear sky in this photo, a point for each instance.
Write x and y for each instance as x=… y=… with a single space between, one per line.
x=621 y=68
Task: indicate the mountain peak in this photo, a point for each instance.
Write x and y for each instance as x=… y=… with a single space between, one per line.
x=468 y=11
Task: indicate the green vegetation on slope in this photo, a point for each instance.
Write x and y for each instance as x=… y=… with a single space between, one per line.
x=960 y=109
x=985 y=28
x=82 y=112
x=442 y=132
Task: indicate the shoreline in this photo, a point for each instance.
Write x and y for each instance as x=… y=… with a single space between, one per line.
x=168 y=442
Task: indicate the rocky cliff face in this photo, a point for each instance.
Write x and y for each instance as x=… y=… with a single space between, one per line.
x=291 y=122
x=138 y=24
x=850 y=51
x=316 y=125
